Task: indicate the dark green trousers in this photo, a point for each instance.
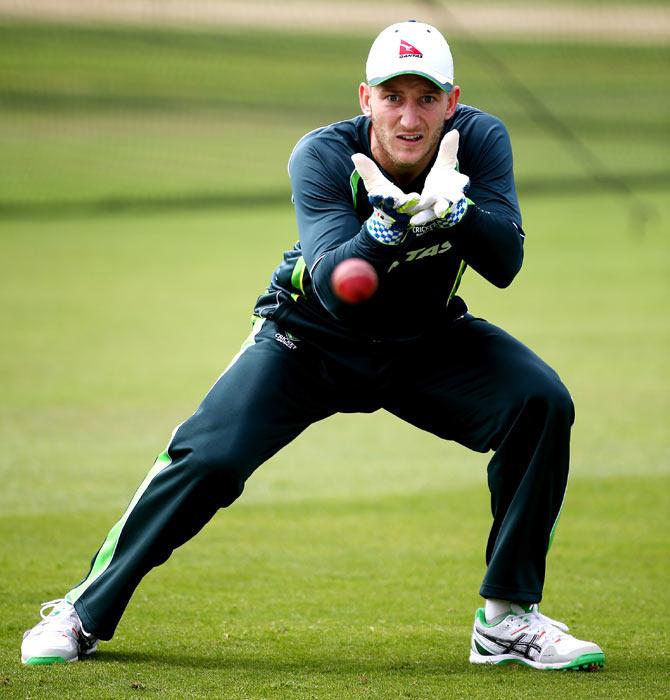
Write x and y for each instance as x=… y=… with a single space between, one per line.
x=470 y=382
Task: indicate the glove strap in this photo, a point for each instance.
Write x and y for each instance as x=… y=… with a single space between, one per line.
x=456 y=212
x=385 y=229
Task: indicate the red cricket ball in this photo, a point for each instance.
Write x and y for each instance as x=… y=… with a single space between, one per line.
x=354 y=280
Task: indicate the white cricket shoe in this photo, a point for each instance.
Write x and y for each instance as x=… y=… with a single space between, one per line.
x=58 y=638
x=532 y=639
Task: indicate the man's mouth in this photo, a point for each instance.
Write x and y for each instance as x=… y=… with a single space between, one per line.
x=410 y=138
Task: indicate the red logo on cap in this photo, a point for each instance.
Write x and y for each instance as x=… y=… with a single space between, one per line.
x=406 y=49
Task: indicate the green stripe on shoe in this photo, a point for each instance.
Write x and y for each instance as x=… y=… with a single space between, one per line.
x=481 y=616
x=44 y=660
x=481 y=650
x=593 y=659
x=585 y=661
x=106 y=553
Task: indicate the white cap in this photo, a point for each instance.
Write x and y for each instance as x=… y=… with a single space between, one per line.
x=410 y=48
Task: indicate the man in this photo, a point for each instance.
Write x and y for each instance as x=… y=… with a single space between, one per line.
x=402 y=208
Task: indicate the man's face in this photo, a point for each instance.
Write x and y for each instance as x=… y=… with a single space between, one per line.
x=408 y=114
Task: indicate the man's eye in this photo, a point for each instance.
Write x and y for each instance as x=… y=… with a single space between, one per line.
x=429 y=99
x=392 y=98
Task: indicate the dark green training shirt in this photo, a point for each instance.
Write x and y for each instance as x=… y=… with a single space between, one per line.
x=418 y=278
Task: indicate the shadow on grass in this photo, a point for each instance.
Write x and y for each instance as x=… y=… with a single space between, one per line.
x=323 y=663
x=341 y=665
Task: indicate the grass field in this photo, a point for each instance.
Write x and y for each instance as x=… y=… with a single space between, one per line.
x=97 y=120
x=129 y=277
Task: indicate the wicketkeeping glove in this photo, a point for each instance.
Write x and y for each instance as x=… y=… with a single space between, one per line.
x=442 y=196
x=392 y=207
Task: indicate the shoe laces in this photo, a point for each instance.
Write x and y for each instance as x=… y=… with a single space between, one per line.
x=537 y=621
x=68 y=620
x=53 y=604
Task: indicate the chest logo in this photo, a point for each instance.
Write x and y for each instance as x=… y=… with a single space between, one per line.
x=420 y=253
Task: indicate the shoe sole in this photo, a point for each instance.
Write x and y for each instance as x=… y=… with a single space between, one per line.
x=585 y=662
x=48 y=660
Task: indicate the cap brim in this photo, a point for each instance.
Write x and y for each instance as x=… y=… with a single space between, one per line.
x=378 y=81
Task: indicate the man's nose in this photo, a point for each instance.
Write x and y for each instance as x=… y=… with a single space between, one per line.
x=410 y=116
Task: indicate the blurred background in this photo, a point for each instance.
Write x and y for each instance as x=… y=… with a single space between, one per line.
x=154 y=104
x=144 y=204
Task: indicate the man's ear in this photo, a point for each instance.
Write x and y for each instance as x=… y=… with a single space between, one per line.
x=364 y=92
x=452 y=101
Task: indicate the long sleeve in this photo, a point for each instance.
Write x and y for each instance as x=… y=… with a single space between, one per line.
x=330 y=230
x=490 y=244
x=419 y=278
x=490 y=237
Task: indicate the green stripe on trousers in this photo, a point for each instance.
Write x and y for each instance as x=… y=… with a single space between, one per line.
x=106 y=553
